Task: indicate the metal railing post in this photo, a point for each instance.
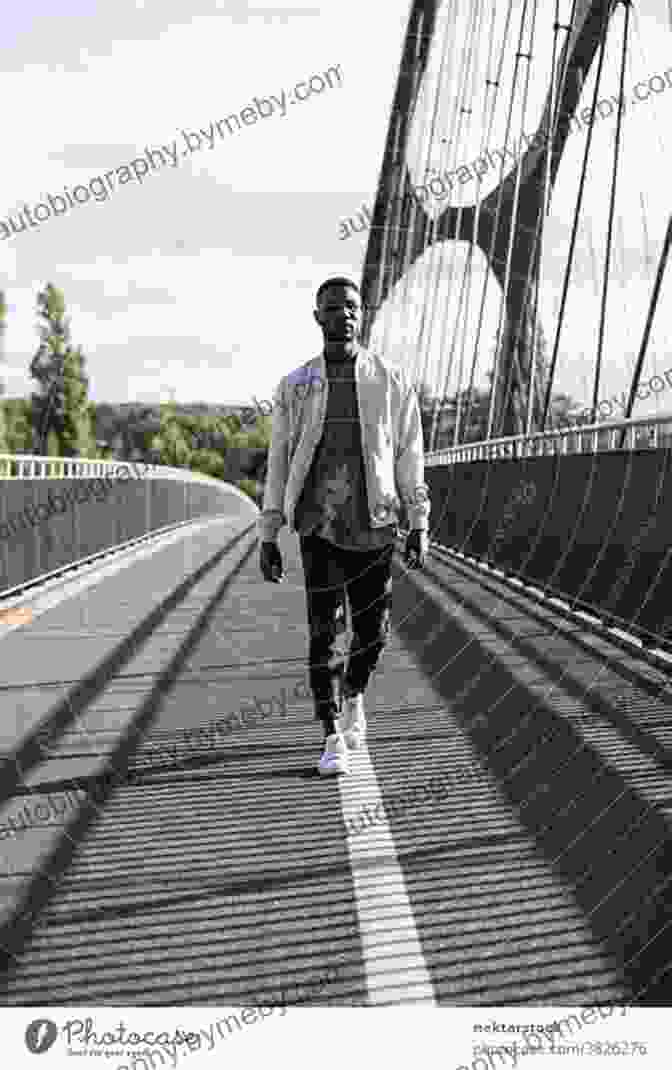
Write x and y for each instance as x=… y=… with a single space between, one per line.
x=590 y=438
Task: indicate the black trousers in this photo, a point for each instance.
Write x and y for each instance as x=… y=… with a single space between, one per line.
x=364 y=577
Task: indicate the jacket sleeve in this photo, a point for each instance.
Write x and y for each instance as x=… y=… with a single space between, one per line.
x=273 y=517
x=409 y=464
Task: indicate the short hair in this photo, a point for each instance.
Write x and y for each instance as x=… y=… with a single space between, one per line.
x=336 y=280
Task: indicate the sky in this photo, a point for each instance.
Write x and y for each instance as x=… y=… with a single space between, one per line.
x=197 y=283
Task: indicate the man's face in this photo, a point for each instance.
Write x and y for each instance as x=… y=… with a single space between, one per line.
x=339 y=313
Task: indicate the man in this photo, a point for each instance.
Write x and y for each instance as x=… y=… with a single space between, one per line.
x=346 y=452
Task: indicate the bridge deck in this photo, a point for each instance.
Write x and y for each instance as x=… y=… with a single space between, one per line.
x=226 y=872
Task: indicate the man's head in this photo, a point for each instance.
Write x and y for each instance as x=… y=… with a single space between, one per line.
x=339 y=310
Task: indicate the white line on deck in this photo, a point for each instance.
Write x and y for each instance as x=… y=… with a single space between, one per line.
x=396 y=970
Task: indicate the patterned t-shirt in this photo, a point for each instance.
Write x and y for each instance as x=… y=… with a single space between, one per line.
x=333 y=503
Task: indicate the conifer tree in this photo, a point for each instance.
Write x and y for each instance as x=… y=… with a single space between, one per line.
x=61 y=410
x=4 y=447
x=18 y=426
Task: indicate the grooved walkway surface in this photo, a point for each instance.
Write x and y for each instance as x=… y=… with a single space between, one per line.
x=524 y=770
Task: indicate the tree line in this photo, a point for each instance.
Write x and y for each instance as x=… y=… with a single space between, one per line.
x=469 y=408
x=59 y=420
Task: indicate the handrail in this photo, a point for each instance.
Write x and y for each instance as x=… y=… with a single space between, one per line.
x=585 y=439
x=33 y=466
x=25 y=494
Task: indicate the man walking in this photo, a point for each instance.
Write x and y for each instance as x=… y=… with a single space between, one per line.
x=346 y=453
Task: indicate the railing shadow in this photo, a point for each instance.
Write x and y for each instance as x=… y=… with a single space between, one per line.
x=610 y=845
x=15 y=933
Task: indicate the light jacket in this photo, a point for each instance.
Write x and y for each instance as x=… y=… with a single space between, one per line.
x=392 y=445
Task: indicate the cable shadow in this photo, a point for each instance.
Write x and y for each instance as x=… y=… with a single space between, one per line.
x=660 y=690
x=199 y=770
x=15 y=933
x=607 y=843
x=29 y=753
x=618 y=718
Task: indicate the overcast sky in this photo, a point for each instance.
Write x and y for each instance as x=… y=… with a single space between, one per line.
x=200 y=279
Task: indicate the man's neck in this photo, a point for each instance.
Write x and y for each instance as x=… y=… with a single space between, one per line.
x=341 y=350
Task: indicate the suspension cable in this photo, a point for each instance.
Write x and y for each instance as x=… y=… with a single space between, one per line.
x=577 y=215
x=513 y=332
x=496 y=82
x=461 y=392
x=610 y=226
x=437 y=251
x=545 y=209
x=662 y=264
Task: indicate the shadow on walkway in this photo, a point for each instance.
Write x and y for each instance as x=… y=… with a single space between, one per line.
x=610 y=845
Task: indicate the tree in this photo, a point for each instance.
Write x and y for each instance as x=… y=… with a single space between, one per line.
x=215 y=445
x=172 y=445
x=62 y=414
x=46 y=365
x=4 y=444
x=474 y=407
x=258 y=436
x=18 y=425
x=560 y=407
x=439 y=414
x=209 y=462
x=76 y=419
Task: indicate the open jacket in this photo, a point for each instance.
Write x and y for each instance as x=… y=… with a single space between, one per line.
x=392 y=445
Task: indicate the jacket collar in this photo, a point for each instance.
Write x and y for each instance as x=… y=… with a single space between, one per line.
x=362 y=359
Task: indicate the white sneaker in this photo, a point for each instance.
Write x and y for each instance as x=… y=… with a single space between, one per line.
x=353 y=722
x=335 y=757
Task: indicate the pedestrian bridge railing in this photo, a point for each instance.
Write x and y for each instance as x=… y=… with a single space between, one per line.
x=582 y=513
x=56 y=511
x=649 y=432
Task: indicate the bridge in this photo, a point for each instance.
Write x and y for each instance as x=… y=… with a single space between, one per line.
x=504 y=838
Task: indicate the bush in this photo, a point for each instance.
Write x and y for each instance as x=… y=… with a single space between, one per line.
x=251 y=488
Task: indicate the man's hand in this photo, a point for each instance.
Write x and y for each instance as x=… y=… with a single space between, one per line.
x=270 y=562
x=417 y=545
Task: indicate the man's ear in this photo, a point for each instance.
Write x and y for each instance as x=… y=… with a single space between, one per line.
x=316 y=316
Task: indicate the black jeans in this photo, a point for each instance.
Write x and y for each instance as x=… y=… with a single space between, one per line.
x=331 y=574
